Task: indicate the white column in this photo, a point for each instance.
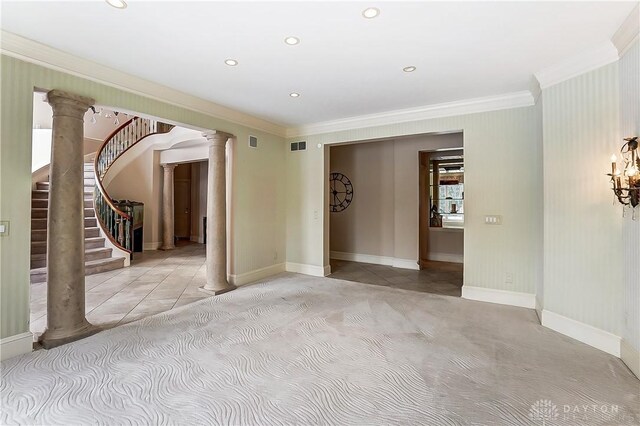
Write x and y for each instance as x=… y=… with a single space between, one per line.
x=217 y=215
x=168 y=240
x=66 y=320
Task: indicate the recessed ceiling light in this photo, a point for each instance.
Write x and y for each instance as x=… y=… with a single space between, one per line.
x=118 y=4
x=292 y=41
x=371 y=12
x=409 y=69
x=294 y=95
x=231 y=62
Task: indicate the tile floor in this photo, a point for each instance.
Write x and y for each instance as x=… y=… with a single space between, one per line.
x=156 y=281
x=438 y=278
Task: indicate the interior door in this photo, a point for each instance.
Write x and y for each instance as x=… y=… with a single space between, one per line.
x=182 y=208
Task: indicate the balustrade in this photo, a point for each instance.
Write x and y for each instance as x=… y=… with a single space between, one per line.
x=117 y=224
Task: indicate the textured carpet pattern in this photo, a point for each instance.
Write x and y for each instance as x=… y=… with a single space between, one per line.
x=302 y=350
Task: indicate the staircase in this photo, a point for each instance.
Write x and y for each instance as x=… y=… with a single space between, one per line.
x=98 y=258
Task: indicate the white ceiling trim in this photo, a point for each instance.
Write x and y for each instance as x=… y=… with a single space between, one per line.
x=628 y=32
x=448 y=109
x=31 y=51
x=597 y=57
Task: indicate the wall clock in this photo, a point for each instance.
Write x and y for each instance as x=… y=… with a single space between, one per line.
x=340 y=192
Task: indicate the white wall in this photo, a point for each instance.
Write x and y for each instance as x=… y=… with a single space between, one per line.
x=41 y=148
x=539 y=218
x=498 y=146
x=446 y=245
x=630 y=125
x=141 y=180
x=367 y=225
x=582 y=230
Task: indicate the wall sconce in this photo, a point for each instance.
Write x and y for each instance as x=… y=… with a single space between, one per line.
x=626 y=183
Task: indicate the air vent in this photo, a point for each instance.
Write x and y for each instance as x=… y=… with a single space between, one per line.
x=298 y=146
x=253 y=141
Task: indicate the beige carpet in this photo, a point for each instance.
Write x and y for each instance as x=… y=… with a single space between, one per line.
x=302 y=350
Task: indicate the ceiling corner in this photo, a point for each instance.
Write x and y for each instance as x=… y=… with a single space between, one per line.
x=596 y=57
x=628 y=32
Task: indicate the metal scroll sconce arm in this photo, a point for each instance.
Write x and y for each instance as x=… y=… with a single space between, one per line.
x=626 y=183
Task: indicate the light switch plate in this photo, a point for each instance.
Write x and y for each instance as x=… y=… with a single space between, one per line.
x=4 y=228
x=493 y=220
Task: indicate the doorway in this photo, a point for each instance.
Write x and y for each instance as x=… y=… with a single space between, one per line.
x=373 y=209
x=441 y=207
x=182 y=201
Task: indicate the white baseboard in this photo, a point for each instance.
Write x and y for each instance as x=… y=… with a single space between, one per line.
x=376 y=260
x=327 y=270
x=406 y=264
x=302 y=268
x=585 y=333
x=539 y=308
x=152 y=246
x=446 y=257
x=16 y=345
x=502 y=297
x=630 y=356
x=255 y=275
x=362 y=258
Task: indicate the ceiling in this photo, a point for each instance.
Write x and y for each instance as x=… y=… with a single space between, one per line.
x=344 y=66
x=100 y=130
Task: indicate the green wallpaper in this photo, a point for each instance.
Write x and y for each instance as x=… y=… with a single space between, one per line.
x=503 y=175
x=582 y=228
x=264 y=167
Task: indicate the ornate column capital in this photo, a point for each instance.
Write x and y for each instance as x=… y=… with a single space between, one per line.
x=169 y=166
x=216 y=137
x=68 y=104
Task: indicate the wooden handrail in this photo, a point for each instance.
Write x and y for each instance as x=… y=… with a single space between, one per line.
x=98 y=179
x=112 y=220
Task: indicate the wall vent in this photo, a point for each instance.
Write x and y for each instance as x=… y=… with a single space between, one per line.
x=299 y=146
x=253 y=141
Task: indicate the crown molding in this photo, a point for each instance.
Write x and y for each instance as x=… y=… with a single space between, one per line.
x=628 y=32
x=448 y=109
x=599 y=56
x=534 y=88
x=36 y=53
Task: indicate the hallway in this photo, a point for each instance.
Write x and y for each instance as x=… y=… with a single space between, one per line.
x=157 y=281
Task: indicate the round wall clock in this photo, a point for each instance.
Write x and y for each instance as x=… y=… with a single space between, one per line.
x=340 y=192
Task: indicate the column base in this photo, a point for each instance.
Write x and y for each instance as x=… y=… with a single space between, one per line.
x=167 y=248
x=215 y=292
x=52 y=339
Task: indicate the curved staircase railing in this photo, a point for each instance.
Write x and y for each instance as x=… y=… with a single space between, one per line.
x=117 y=224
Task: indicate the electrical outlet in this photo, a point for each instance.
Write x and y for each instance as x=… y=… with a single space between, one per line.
x=508 y=278
x=275 y=255
x=4 y=228
x=315 y=215
x=493 y=220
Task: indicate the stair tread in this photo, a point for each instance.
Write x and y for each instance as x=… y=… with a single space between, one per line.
x=97 y=262
x=86 y=228
x=90 y=239
x=86 y=251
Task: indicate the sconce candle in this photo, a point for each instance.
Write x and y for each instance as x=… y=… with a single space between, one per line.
x=626 y=185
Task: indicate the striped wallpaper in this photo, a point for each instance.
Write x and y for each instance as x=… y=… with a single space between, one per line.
x=582 y=227
x=630 y=125
x=502 y=176
x=257 y=236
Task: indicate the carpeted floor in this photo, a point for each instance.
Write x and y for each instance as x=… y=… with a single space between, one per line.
x=302 y=350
